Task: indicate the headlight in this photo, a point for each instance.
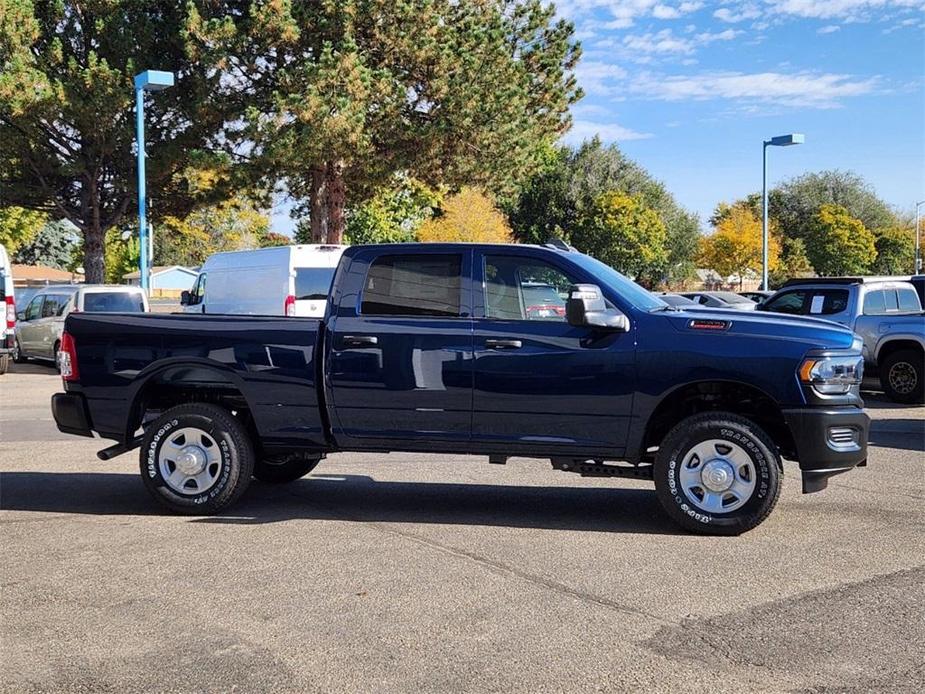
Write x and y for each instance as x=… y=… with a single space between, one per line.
x=832 y=375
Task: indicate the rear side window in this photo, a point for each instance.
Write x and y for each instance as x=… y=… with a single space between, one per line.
x=908 y=300
x=874 y=304
x=825 y=302
x=412 y=285
x=313 y=283
x=788 y=302
x=113 y=302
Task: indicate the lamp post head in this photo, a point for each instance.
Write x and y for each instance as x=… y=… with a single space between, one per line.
x=153 y=80
x=787 y=140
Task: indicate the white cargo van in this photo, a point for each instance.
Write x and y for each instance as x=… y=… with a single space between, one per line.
x=277 y=281
x=8 y=305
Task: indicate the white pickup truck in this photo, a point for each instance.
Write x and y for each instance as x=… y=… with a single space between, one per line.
x=885 y=311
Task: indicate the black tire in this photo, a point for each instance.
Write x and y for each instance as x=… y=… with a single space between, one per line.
x=902 y=376
x=18 y=356
x=684 y=506
x=285 y=468
x=4 y=364
x=235 y=458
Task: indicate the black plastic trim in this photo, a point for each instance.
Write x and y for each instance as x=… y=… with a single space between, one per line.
x=70 y=413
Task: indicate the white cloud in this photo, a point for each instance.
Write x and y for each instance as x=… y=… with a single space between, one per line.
x=608 y=132
x=597 y=77
x=805 y=89
x=743 y=12
x=828 y=29
x=663 y=41
x=665 y=12
x=624 y=13
x=843 y=9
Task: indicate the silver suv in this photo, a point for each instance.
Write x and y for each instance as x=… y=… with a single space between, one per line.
x=884 y=311
x=41 y=321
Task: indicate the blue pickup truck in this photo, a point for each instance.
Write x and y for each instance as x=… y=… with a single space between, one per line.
x=458 y=348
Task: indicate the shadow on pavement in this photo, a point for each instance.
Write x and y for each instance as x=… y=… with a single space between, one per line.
x=905 y=434
x=40 y=368
x=357 y=498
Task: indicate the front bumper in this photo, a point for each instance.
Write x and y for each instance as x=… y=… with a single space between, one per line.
x=829 y=441
x=71 y=414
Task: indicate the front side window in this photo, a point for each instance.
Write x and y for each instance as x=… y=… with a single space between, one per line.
x=788 y=302
x=412 y=285
x=198 y=292
x=826 y=302
x=34 y=309
x=113 y=302
x=524 y=289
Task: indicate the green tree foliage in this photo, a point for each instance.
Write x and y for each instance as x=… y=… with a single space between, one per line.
x=57 y=245
x=556 y=200
x=394 y=214
x=794 y=205
x=793 y=262
x=19 y=227
x=895 y=250
x=452 y=92
x=67 y=105
x=122 y=256
x=839 y=244
x=620 y=230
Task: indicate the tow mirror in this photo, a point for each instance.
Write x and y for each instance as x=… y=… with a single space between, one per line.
x=587 y=308
x=184 y=298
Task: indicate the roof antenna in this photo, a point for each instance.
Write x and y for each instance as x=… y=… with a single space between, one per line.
x=558 y=244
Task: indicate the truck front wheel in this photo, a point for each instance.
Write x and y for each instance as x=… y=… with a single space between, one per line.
x=196 y=459
x=717 y=474
x=902 y=377
x=285 y=468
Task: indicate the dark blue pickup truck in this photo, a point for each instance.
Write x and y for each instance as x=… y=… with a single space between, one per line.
x=494 y=350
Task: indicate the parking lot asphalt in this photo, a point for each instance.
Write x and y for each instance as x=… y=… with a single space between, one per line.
x=429 y=573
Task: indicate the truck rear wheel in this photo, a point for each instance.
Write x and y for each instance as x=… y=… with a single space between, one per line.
x=717 y=474
x=196 y=459
x=285 y=468
x=902 y=377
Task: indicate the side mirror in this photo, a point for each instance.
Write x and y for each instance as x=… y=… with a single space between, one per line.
x=20 y=315
x=184 y=298
x=586 y=308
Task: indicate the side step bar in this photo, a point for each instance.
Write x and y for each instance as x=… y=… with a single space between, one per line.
x=118 y=449
x=597 y=468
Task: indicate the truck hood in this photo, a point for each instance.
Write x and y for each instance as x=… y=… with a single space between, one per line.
x=821 y=334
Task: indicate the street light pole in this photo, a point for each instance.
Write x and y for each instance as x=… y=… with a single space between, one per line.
x=148 y=81
x=778 y=141
x=917 y=269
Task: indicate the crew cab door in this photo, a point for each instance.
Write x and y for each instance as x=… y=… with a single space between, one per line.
x=542 y=385
x=399 y=365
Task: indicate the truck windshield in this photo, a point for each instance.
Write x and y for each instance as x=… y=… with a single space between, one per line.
x=621 y=284
x=313 y=283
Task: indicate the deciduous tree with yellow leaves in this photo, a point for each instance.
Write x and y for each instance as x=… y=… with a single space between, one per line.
x=735 y=247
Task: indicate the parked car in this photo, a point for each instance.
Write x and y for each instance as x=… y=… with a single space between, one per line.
x=278 y=281
x=729 y=300
x=885 y=312
x=758 y=295
x=8 y=321
x=542 y=301
x=41 y=322
x=677 y=300
x=428 y=347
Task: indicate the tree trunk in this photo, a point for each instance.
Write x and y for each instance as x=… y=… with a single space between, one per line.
x=317 y=204
x=94 y=234
x=336 y=198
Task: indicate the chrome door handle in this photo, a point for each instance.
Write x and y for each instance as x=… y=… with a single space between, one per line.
x=503 y=344
x=360 y=341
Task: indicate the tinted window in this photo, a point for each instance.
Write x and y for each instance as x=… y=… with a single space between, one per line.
x=198 y=292
x=313 y=282
x=54 y=305
x=828 y=301
x=908 y=300
x=873 y=304
x=34 y=309
x=412 y=285
x=788 y=302
x=731 y=298
x=113 y=302
x=524 y=289
x=890 y=300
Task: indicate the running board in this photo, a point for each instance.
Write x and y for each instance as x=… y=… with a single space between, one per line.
x=118 y=449
x=597 y=468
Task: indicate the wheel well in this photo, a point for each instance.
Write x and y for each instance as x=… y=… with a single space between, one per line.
x=895 y=346
x=739 y=398
x=188 y=384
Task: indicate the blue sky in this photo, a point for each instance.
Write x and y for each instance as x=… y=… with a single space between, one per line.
x=690 y=89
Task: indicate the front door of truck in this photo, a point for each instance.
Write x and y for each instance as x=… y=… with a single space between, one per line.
x=542 y=385
x=399 y=371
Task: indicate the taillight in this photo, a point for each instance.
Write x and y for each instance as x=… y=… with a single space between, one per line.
x=10 y=313
x=67 y=358
x=289 y=306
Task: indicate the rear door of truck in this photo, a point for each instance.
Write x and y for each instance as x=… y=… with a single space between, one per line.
x=399 y=364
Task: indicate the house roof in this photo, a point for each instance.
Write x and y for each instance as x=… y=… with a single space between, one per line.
x=158 y=270
x=43 y=273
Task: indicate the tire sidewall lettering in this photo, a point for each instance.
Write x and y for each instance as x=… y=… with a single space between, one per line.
x=153 y=469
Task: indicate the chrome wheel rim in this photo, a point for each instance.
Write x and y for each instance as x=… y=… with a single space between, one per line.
x=189 y=461
x=718 y=476
x=903 y=378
